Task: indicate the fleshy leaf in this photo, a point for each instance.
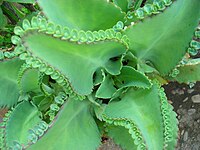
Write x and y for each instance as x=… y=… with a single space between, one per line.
x=8 y=78
x=123 y=4
x=121 y=136
x=29 y=80
x=106 y=89
x=147 y=115
x=24 y=117
x=76 y=15
x=164 y=38
x=74 y=122
x=189 y=72
x=98 y=76
x=45 y=103
x=69 y=57
x=130 y=77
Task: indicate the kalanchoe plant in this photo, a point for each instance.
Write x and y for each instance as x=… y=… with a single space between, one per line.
x=94 y=68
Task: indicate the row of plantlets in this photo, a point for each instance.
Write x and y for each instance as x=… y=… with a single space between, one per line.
x=83 y=70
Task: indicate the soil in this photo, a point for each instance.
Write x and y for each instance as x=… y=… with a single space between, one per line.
x=186 y=102
x=2 y=112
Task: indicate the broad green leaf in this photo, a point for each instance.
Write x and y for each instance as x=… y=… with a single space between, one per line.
x=9 y=89
x=79 y=14
x=145 y=68
x=77 y=62
x=106 y=89
x=130 y=77
x=21 y=1
x=24 y=117
x=74 y=129
x=37 y=99
x=164 y=38
x=189 y=72
x=98 y=76
x=147 y=115
x=45 y=103
x=121 y=137
x=30 y=81
x=123 y=4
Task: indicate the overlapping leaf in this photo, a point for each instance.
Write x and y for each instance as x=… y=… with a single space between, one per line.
x=142 y=109
x=123 y=4
x=106 y=89
x=163 y=39
x=189 y=72
x=9 y=89
x=74 y=129
x=121 y=137
x=79 y=14
x=24 y=117
x=130 y=77
x=30 y=81
x=77 y=62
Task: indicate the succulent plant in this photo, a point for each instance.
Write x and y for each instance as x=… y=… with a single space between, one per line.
x=83 y=70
